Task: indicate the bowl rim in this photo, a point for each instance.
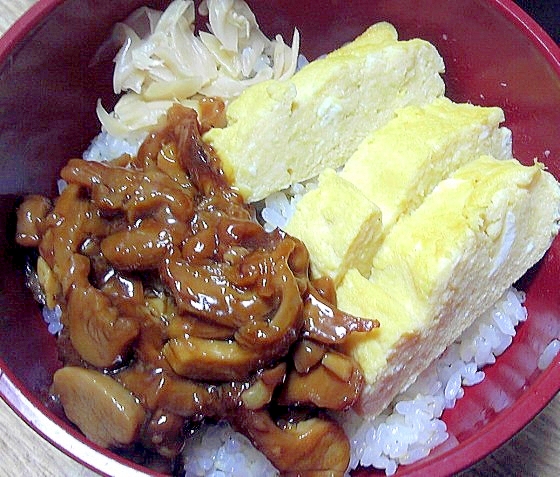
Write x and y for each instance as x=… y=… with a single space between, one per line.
x=534 y=32
x=24 y=26
x=505 y=425
x=65 y=438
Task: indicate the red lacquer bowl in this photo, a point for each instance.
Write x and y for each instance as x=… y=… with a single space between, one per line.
x=50 y=80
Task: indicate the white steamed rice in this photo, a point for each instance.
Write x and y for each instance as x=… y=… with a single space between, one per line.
x=405 y=432
x=219 y=451
x=106 y=147
x=409 y=428
x=549 y=353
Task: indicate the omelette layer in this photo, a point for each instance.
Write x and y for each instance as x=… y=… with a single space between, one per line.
x=340 y=227
x=444 y=264
x=397 y=166
x=393 y=169
x=282 y=132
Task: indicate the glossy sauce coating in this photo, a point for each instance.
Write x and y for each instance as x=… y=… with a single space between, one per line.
x=169 y=286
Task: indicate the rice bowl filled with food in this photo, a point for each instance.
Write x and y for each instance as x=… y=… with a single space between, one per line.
x=268 y=264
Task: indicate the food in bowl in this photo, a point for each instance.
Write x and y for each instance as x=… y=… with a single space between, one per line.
x=125 y=265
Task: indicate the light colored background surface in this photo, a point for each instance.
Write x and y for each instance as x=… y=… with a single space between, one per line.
x=533 y=452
